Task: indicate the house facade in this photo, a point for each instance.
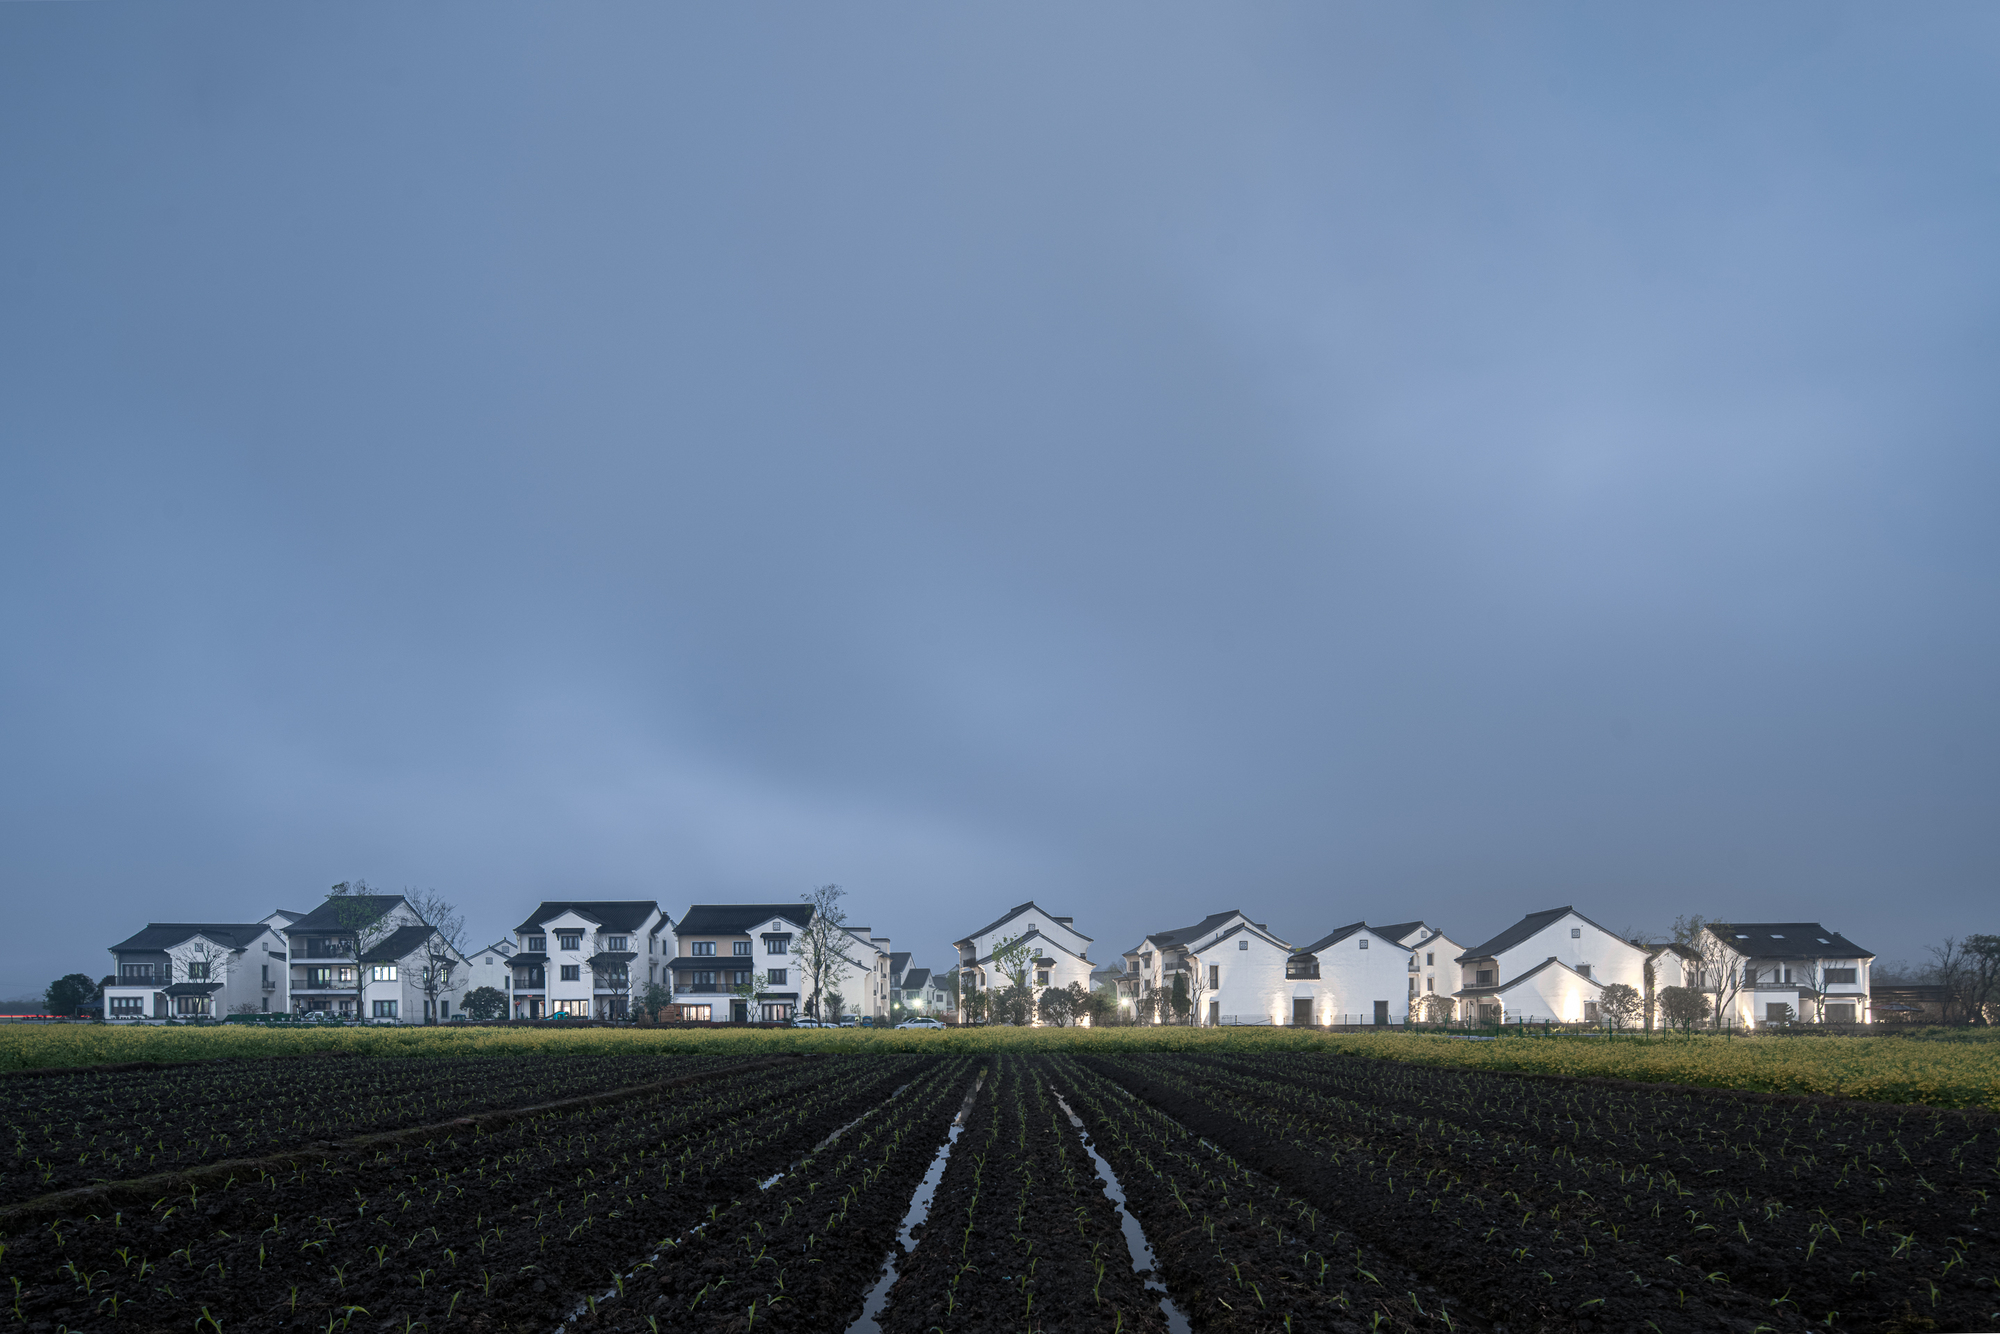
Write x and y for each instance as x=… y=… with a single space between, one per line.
x=1230 y=969
x=1776 y=972
x=198 y=970
x=580 y=958
x=325 y=945
x=1057 y=954
x=1432 y=955
x=1551 y=966
x=493 y=967
x=1355 y=974
x=924 y=995
x=412 y=976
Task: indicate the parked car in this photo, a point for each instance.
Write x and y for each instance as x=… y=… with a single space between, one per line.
x=920 y=1023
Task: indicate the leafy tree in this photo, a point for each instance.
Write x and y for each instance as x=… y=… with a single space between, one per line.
x=1779 y=1013
x=1056 y=1007
x=972 y=1007
x=1102 y=1005
x=1618 y=1002
x=485 y=1003
x=1014 y=1004
x=1181 y=1001
x=1682 y=1007
x=822 y=947
x=835 y=1005
x=1432 y=1008
x=69 y=994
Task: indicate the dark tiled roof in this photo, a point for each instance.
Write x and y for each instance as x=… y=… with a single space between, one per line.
x=1341 y=933
x=192 y=988
x=611 y=914
x=1785 y=940
x=165 y=935
x=1033 y=936
x=334 y=914
x=397 y=945
x=1068 y=924
x=528 y=960
x=610 y=958
x=916 y=979
x=1528 y=926
x=1181 y=935
x=1515 y=981
x=1396 y=932
x=899 y=963
x=736 y=919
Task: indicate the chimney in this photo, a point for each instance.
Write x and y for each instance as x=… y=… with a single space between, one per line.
x=1066 y=921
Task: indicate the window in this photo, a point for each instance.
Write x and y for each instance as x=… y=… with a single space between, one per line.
x=700 y=1014
x=1364 y=942
x=1301 y=965
x=536 y=944
x=1590 y=1012
x=704 y=948
x=190 y=1005
x=385 y=1009
x=1430 y=960
x=131 y=1005
x=1840 y=1014
x=616 y=944
x=1242 y=944
x=1841 y=975
x=1413 y=986
x=1576 y=933
x=489 y=961
x=1214 y=976
x=1483 y=978
x=572 y=972
x=777 y=944
x=382 y=972
x=569 y=940
x=197 y=971
x=778 y=977
x=1583 y=968
x=267 y=972
x=136 y=972
x=704 y=981
x=1430 y=984
x=741 y=948
x=444 y=1009
x=1042 y=977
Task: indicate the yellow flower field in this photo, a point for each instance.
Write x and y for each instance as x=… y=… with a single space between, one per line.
x=1955 y=1070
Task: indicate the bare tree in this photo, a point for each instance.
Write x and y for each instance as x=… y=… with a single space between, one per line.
x=748 y=990
x=1197 y=988
x=1717 y=969
x=1807 y=975
x=442 y=951
x=1950 y=966
x=1982 y=981
x=823 y=943
x=368 y=923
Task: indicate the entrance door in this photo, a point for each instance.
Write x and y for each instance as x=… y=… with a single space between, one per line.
x=1214 y=1013
x=1381 y=1012
x=739 y=1012
x=1302 y=1012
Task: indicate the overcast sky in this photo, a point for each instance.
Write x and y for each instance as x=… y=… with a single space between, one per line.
x=1337 y=461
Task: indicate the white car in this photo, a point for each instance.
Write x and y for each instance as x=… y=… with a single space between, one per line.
x=920 y=1023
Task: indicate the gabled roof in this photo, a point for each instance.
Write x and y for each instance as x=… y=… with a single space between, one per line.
x=610 y=914
x=334 y=914
x=899 y=963
x=736 y=919
x=1341 y=933
x=398 y=944
x=166 y=935
x=1014 y=912
x=916 y=979
x=1670 y=947
x=1396 y=932
x=1254 y=929
x=1035 y=936
x=1544 y=965
x=1530 y=925
x=1181 y=935
x=1785 y=940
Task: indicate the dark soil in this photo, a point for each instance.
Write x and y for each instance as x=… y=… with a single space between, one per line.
x=1020 y=1236
x=494 y=1232
x=800 y=1255
x=77 y=1127
x=1551 y=1206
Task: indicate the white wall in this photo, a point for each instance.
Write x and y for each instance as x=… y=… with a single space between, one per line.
x=1352 y=979
x=1577 y=943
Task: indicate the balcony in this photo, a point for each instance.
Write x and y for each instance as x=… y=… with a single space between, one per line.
x=1301 y=970
x=700 y=988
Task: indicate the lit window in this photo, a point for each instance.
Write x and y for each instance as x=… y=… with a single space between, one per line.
x=382 y=972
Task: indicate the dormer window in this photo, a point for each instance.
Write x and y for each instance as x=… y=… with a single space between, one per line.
x=1776 y=936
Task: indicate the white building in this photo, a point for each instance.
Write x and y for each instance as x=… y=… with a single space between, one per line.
x=1232 y=971
x=1057 y=953
x=412 y=976
x=1549 y=966
x=923 y=994
x=744 y=962
x=493 y=967
x=1355 y=974
x=577 y=958
x=198 y=970
x=1779 y=971
x=324 y=947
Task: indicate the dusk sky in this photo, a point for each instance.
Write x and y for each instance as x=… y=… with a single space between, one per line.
x=1335 y=461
